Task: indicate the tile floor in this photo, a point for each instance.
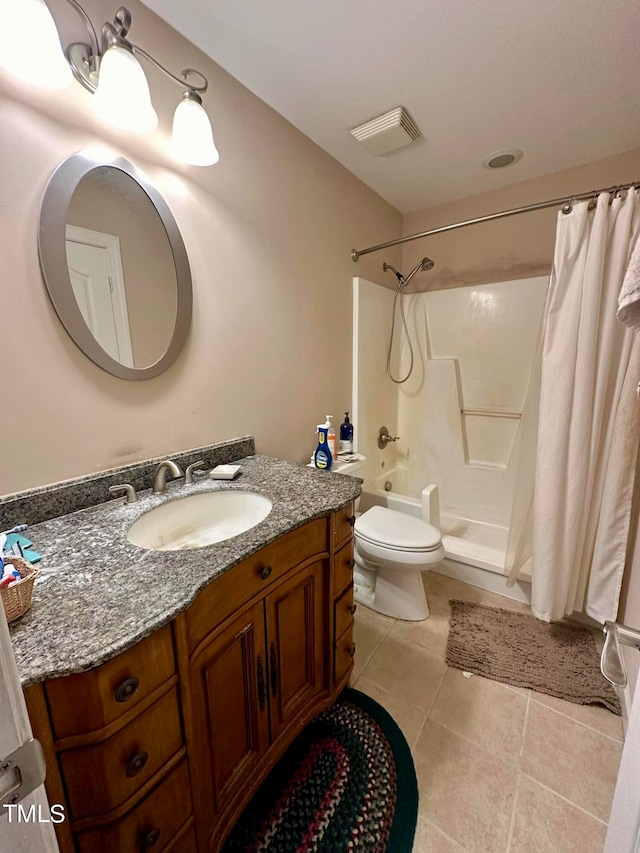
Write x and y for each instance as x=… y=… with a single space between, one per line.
x=500 y=769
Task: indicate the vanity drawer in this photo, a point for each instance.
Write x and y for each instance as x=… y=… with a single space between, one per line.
x=343 y=522
x=344 y=609
x=90 y=701
x=152 y=825
x=236 y=586
x=102 y=777
x=344 y=652
x=343 y=568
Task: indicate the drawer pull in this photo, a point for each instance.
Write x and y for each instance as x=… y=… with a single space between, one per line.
x=126 y=690
x=351 y=563
x=136 y=764
x=351 y=520
x=265 y=572
x=149 y=840
x=262 y=685
x=275 y=672
x=353 y=609
x=352 y=650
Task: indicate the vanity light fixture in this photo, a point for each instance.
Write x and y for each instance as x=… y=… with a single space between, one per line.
x=109 y=68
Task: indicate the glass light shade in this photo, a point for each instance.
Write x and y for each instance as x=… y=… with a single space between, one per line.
x=122 y=96
x=192 y=136
x=30 y=46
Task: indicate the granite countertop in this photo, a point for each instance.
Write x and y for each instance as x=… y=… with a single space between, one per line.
x=97 y=594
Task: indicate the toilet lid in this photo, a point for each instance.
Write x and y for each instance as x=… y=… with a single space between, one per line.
x=397 y=530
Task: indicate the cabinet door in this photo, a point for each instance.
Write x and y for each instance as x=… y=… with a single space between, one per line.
x=230 y=713
x=296 y=634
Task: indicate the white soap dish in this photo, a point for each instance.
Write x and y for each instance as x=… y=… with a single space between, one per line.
x=225 y=472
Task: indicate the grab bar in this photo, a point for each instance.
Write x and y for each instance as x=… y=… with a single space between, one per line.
x=611 y=662
x=485 y=413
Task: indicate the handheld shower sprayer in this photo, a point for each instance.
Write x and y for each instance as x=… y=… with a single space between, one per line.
x=424 y=265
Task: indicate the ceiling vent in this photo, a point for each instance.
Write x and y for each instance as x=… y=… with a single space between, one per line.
x=387 y=132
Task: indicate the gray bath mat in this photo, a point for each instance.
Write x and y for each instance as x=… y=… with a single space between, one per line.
x=518 y=649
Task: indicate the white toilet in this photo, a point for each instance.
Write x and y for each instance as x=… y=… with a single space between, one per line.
x=392 y=550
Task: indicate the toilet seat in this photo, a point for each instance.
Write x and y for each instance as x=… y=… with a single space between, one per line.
x=397 y=531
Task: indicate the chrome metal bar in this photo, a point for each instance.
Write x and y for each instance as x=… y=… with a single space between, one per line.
x=89 y=26
x=485 y=413
x=556 y=202
x=185 y=72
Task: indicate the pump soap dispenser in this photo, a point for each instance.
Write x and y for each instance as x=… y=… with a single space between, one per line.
x=346 y=435
x=331 y=437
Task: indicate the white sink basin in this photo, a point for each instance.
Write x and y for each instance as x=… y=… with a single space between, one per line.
x=198 y=520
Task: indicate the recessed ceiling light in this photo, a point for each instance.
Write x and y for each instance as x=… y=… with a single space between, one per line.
x=502 y=158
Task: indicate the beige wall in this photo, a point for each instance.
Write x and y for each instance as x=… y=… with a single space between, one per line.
x=512 y=248
x=268 y=231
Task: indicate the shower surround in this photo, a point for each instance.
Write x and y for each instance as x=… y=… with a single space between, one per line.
x=466 y=416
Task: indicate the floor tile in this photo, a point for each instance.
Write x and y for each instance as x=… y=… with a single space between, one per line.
x=545 y=823
x=409 y=719
x=410 y=673
x=440 y=589
x=431 y=633
x=465 y=791
x=429 y=839
x=483 y=711
x=595 y=716
x=369 y=630
x=571 y=759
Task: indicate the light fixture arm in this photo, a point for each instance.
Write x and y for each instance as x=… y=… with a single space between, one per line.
x=89 y=26
x=185 y=72
x=85 y=59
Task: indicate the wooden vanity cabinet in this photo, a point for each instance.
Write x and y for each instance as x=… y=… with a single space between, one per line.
x=161 y=748
x=253 y=682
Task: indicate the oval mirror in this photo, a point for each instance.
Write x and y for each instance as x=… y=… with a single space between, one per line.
x=115 y=266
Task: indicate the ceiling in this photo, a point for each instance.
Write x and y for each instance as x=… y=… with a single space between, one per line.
x=559 y=79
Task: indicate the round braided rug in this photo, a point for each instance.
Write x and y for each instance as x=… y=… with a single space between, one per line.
x=346 y=783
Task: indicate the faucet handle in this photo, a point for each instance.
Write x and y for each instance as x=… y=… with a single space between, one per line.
x=191 y=470
x=384 y=437
x=131 y=496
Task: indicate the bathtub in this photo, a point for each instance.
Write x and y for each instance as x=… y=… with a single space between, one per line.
x=475 y=552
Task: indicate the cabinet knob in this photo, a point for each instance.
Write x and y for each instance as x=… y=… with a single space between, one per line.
x=126 y=690
x=351 y=563
x=265 y=572
x=352 y=650
x=149 y=840
x=352 y=520
x=136 y=764
x=353 y=609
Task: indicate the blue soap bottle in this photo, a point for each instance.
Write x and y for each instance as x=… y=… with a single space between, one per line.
x=346 y=435
x=322 y=458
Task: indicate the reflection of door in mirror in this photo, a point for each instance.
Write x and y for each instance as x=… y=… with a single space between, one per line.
x=108 y=201
x=95 y=271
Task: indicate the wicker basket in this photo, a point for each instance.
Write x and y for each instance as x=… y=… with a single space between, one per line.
x=16 y=598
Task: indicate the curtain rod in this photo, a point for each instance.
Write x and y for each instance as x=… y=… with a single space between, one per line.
x=566 y=202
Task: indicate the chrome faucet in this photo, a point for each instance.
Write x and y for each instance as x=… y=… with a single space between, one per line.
x=384 y=437
x=160 y=477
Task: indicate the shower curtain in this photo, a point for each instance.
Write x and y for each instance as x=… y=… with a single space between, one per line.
x=589 y=421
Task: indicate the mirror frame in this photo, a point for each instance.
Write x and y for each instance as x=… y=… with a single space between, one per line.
x=52 y=252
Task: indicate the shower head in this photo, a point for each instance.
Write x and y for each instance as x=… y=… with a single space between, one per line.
x=424 y=265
